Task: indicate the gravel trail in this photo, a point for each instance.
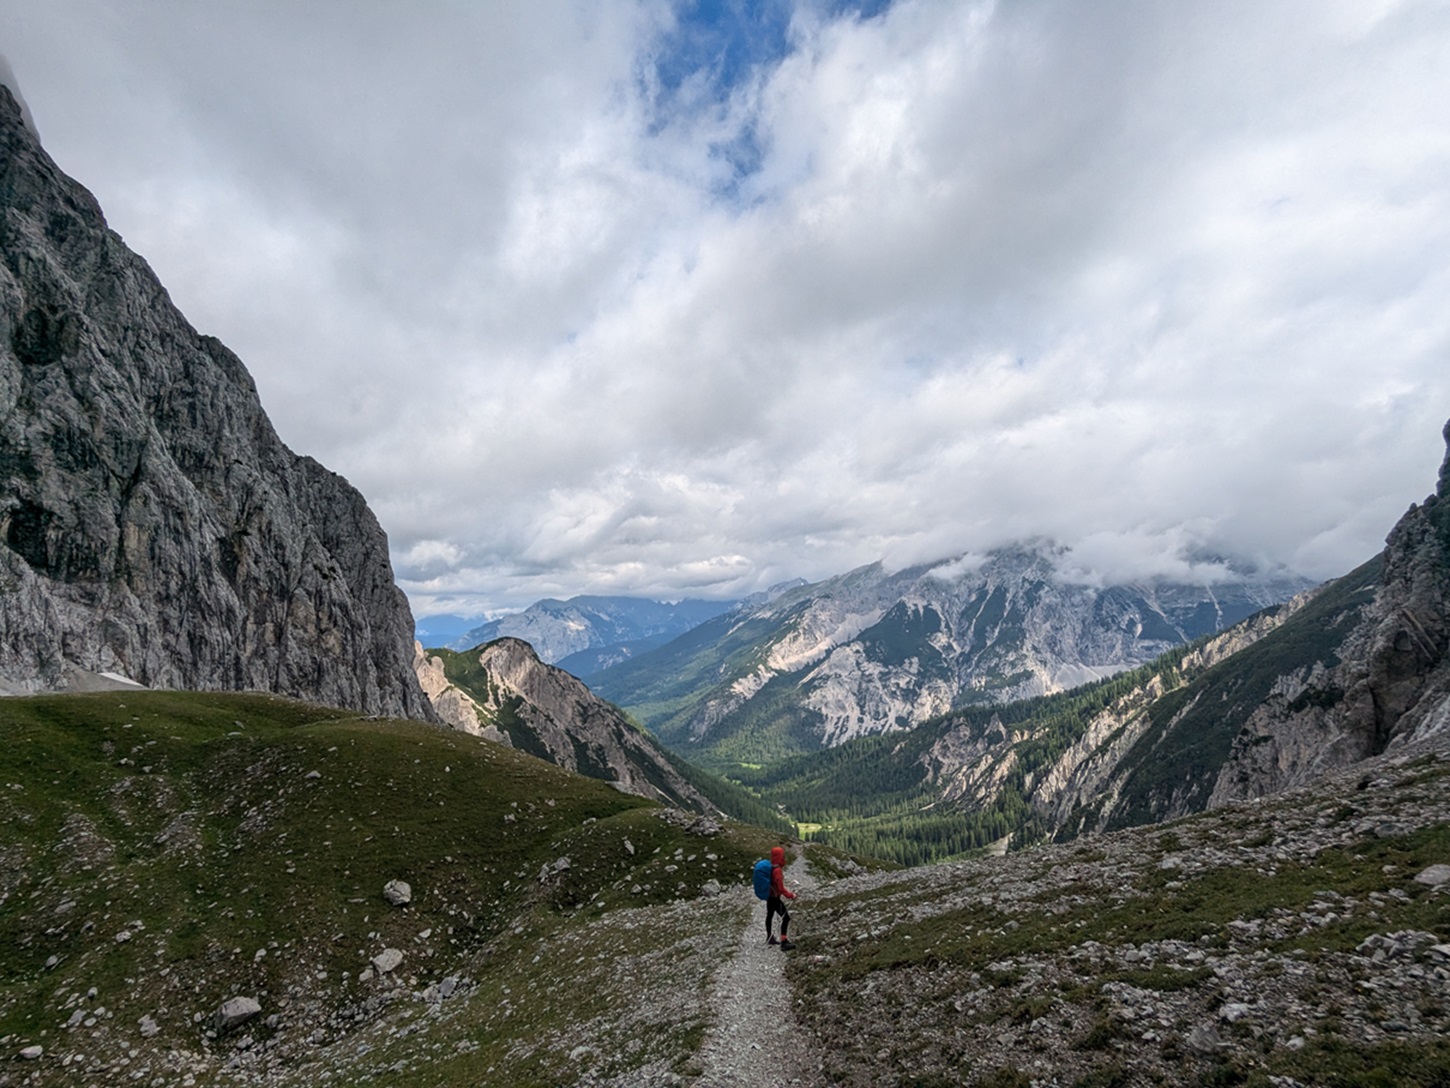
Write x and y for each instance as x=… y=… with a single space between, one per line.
x=756 y=1042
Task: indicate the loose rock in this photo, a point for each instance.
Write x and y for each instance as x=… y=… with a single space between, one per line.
x=235 y=1012
x=387 y=960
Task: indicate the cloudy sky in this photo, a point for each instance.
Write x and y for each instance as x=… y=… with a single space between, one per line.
x=687 y=297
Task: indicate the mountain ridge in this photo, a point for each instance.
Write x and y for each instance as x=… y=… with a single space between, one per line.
x=1336 y=675
x=586 y=633
x=873 y=650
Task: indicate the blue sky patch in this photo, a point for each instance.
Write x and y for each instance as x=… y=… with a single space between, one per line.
x=725 y=41
x=717 y=45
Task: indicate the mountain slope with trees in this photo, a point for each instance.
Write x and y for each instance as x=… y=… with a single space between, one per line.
x=874 y=651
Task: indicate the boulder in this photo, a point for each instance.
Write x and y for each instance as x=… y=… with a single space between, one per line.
x=1434 y=876
x=549 y=871
x=234 y=1012
x=387 y=960
x=398 y=892
x=1204 y=1039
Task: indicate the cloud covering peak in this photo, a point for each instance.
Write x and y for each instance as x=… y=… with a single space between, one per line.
x=689 y=298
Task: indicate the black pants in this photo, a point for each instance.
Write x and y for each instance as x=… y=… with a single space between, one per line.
x=773 y=906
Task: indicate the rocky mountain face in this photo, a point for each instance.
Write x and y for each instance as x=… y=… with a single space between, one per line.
x=502 y=691
x=1361 y=670
x=874 y=651
x=152 y=524
x=454 y=706
x=1351 y=670
x=1390 y=682
x=585 y=635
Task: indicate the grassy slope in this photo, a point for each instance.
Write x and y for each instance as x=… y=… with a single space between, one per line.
x=198 y=817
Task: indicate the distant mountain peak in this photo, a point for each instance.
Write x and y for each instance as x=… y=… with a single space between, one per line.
x=583 y=634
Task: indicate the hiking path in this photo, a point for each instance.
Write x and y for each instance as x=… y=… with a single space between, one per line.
x=755 y=1042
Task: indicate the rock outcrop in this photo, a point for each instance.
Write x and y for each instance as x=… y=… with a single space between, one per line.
x=503 y=687
x=1387 y=685
x=454 y=706
x=152 y=524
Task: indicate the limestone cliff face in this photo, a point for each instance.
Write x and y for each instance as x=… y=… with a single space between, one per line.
x=1390 y=683
x=152 y=524
x=543 y=710
x=454 y=706
x=971 y=766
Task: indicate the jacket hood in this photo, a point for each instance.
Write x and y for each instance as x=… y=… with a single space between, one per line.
x=777 y=855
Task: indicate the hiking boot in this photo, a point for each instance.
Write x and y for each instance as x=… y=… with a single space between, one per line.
x=786 y=945
x=771 y=939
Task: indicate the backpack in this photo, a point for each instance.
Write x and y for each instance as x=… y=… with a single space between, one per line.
x=761 y=874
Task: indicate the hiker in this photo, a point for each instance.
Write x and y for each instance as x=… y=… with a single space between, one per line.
x=775 y=904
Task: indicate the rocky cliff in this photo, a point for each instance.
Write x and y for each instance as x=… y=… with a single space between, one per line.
x=152 y=524
x=1355 y=669
x=503 y=691
x=1388 y=685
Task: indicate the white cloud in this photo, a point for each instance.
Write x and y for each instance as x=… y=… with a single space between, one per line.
x=1146 y=279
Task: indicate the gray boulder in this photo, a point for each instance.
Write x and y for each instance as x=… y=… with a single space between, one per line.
x=1434 y=875
x=387 y=961
x=234 y=1012
x=398 y=892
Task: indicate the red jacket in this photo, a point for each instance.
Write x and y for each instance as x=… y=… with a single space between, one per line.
x=777 y=873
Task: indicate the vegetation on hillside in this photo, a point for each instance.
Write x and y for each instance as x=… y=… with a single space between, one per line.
x=875 y=796
x=163 y=852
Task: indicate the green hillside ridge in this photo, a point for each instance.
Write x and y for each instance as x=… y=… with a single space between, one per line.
x=163 y=852
x=662 y=688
